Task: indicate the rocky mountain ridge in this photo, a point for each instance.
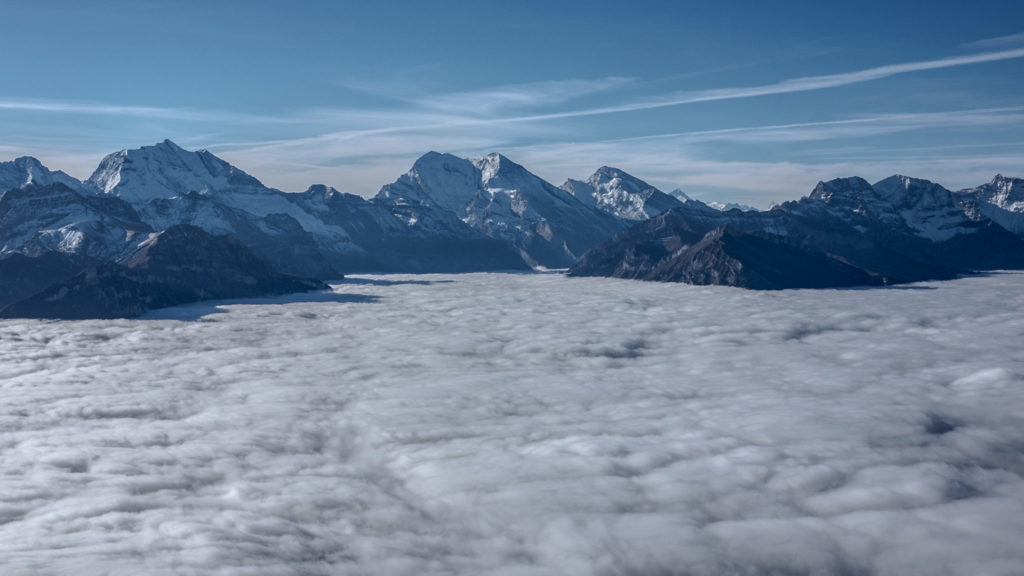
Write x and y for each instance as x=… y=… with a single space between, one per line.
x=845 y=232
x=450 y=214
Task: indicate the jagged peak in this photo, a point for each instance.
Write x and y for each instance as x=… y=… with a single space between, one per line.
x=621 y=178
x=1001 y=179
x=496 y=164
x=29 y=171
x=850 y=186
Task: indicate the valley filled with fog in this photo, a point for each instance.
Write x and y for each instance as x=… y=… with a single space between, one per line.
x=523 y=424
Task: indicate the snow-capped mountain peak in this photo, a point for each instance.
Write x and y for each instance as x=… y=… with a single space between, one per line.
x=621 y=194
x=1002 y=200
x=678 y=193
x=727 y=206
x=493 y=164
x=842 y=190
x=906 y=192
x=166 y=170
x=27 y=171
x=435 y=179
x=500 y=199
x=1005 y=192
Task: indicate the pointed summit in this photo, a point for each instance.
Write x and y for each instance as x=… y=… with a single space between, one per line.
x=27 y=171
x=621 y=194
x=166 y=170
x=1002 y=200
x=500 y=199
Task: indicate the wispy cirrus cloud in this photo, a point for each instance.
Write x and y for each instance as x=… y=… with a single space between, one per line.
x=793 y=85
x=674 y=163
x=856 y=127
x=371 y=144
x=127 y=110
x=481 y=108
x=466 y=108
x=520 y=96
x=58 y=106
x=999 y=41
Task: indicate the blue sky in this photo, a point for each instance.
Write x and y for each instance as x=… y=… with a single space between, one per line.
x=737 y=101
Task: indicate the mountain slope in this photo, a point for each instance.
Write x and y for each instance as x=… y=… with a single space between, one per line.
x=320 y=233
x=22 y=276
x=37 y=219
x=502 y=200
x=166 y=170
x=176 y=266
x=846 y=232
x=621 y=194
x=27 y=171
x=1001 y=200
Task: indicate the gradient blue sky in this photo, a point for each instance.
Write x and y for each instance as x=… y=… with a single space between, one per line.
x=738 y=101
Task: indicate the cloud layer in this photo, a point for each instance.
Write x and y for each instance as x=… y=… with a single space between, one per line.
x=523 y=424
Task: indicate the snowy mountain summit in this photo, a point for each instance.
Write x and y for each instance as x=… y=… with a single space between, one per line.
x=1002 y=200
x=451 y=214
x=846 y=232
x=621 y=194
x=166 y=170
x=501 y=199
x=27 y=171
x=926 y=208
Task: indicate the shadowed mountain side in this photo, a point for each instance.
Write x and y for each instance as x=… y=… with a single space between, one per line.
x=846 y=233
x=179 y=265
x=723 y=257
x=24 y=275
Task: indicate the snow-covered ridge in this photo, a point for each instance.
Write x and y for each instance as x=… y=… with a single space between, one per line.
x=442 y=198
x=621 y=194
x=1002 y=200
x=926 y=208
x=166 y=170
x=28 y=171
x=501 y=199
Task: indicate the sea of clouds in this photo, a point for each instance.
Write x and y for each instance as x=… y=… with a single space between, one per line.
x=523 y=425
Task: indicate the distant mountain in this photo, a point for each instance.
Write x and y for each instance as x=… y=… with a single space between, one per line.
x=721 y=207
x=320 y=233
x=36 y=219
x=1001 y=200
x=27 y=171
x=160 y=225
x=725 y=207
x=176 y=266
x=622 y=195
x=166 y=170
x=548 y=226
x=846 y=232
x=53 y=226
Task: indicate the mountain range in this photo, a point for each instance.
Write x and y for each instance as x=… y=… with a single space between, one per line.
x=83 y=240
x=847 y=232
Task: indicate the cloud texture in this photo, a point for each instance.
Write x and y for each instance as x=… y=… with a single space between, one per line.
x=523 y=425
